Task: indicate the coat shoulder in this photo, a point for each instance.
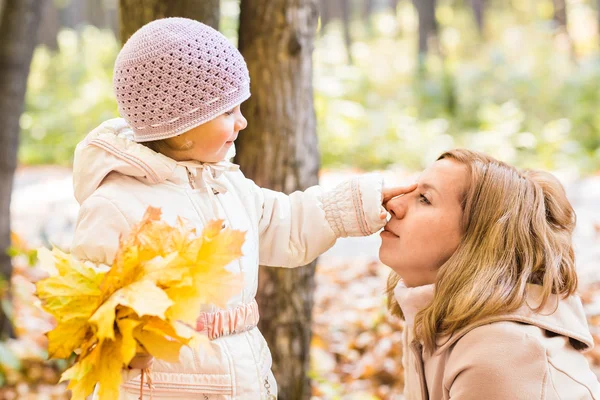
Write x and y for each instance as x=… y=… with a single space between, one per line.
x=491 y=345
x=505 y=355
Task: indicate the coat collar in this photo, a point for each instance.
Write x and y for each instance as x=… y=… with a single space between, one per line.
x=110 y=148
x=564 y=317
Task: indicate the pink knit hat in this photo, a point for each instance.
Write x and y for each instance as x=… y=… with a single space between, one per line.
x=174 y=74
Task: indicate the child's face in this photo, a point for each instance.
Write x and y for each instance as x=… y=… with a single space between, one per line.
x=425 y=225
x=208 y=142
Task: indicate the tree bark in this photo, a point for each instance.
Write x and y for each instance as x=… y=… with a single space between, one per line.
x=279 y=150
x=112 y=17
x=562 y=30
x=560 y=14
x=49 y=26
x=73 y=15
x=135 y=13
x=428 y=27
x=478 y=11
x=368 y=8
x=18 y=30
x=346 y=20
x=324 y=14
x=95 y=14
x=427 y=24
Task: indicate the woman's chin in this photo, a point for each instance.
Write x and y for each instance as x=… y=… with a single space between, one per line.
x=387 y=258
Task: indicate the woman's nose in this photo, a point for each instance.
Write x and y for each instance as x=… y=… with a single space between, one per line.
x=397 y=206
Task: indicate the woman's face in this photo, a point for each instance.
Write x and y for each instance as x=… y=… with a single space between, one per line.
x=425 y=225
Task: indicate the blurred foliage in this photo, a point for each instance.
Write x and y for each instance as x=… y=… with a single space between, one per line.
x=69 y=93
x=519 y=92
x=25 y=371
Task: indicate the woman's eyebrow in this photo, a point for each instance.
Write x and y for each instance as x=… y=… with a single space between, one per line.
x=426 y=185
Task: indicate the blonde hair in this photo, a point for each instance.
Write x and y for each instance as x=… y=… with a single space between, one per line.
x=516 y=229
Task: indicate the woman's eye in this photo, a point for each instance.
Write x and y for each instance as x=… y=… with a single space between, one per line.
x=230 y=112
x=424 y=199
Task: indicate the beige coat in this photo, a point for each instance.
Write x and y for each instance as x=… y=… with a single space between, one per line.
x=519 y=356
x=116 y=179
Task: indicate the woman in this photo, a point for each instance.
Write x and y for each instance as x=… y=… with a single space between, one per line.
x=484 y=276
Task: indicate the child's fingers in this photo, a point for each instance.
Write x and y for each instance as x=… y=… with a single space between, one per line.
x=141 y=361
x=390 y=193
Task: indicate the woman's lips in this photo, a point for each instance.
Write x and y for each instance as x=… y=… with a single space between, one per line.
x=387 y=232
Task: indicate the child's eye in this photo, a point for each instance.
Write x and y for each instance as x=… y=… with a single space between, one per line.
x=424 y=199
x=230 y=112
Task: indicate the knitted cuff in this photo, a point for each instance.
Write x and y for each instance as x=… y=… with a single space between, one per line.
x=354 y=207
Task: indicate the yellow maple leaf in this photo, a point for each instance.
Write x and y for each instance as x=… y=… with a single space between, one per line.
x=73 y=292
x=215 y=287
x=129 y=344
x=171 y=270
x=81 y=375
x=186 y=305
x=67 y=337
x=219 y=246
x=102 y=366
x=108 y=373
x=80 y=388
x=148 y=300
x=160 y=339
x=128 y=260
x=143 y=297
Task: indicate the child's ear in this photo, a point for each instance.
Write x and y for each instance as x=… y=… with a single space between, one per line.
x=179 y=143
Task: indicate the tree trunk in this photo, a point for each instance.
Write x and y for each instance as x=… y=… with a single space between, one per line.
x=346 y=20
x=279 y=150
x=478 y=11
x=324 y=14
x=134 y=15
x=112 y=17
x=560 y=14
x=562 y=31
x=49 y=26
x=427 y=24
x=20 y=21
x=73 y=15
x=95 y=14
x=368 y=8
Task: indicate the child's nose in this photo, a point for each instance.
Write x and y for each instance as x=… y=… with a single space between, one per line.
x=241 y=122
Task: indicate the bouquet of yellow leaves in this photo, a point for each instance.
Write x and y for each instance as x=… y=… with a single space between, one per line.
x=147 y=300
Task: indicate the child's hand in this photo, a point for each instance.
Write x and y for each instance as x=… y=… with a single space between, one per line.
x=390 y=193
x=141 y=361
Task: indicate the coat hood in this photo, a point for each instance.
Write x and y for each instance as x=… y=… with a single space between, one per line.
x=111 y=148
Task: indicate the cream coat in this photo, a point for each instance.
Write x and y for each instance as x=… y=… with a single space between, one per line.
x=523 y=355
x=116 y=179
